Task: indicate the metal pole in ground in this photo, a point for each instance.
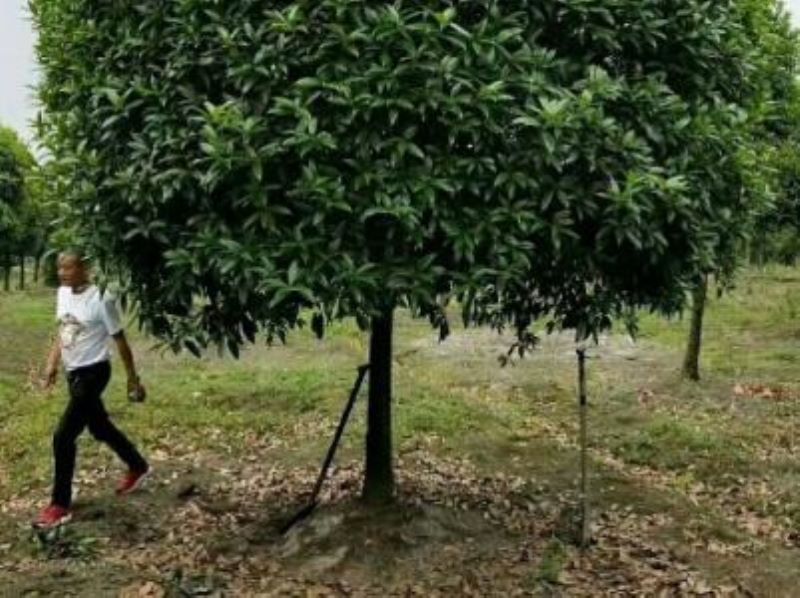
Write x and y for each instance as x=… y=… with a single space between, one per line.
x=586 y=532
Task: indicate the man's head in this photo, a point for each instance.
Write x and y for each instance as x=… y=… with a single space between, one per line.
x=73 y=270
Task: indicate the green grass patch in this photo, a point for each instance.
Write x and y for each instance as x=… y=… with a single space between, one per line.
x=667 y=443
x=552 y=563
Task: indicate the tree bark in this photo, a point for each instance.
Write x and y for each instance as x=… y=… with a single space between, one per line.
x=691 y=362
x=50 y=271
x=379 y=477
x=37 y=264
x=22 y=273
x=6 y=274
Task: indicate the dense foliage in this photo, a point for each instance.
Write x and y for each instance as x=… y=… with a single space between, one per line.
x=17 y=199
x=775 y=113
x=264 y=157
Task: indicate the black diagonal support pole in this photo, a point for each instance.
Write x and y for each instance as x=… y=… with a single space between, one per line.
x=313 y=501
x=586 y=532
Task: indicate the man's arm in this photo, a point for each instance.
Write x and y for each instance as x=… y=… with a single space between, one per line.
x=125 y=353
x=53 y=359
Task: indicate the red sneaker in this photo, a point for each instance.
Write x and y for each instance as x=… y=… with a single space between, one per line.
x=52 y=517
x=132 y=481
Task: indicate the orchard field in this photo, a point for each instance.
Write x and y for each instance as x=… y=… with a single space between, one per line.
x=305 y=187
x=694 y=486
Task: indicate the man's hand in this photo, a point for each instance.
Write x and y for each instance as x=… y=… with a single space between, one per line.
x=136 y=391
x=50 y=378
x=51 y=370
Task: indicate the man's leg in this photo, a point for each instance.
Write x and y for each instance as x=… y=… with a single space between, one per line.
x=103 y=429
x=72 y=423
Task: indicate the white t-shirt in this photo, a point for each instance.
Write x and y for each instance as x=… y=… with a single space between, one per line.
x=86 y=322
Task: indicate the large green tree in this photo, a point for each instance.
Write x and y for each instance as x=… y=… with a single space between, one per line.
x=16 y=165
x=244 y=167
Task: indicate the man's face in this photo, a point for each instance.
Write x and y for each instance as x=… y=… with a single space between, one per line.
x=71 y=271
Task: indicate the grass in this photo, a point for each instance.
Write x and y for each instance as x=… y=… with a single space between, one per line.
x=666 y=443
x=751 y=332
x=552 y=563
x=457 y=401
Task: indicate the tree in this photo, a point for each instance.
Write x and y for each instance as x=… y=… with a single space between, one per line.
x=255 y=166
x=771 y=104
x=776 y=234
x=10 y=197
x=45 y=209
x=25 y=234
x=15 y=164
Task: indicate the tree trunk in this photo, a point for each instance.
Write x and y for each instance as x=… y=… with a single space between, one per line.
x=379 y=477
x=22 y=273
x=37 y=264
x=6 y=274
x=691 y=363
x=50 y=271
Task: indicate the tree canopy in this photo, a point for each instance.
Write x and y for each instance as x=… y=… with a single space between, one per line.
x=268 y=157
x=15 y=162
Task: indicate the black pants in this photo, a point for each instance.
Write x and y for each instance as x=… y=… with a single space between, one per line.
x=86 y=409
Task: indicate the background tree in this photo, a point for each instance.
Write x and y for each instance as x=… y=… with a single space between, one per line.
x=16 y=163
x=253 y=166
x=32 y=210
x=48 y=214
x=767 y=142
x=776 y=235
x=10 y=196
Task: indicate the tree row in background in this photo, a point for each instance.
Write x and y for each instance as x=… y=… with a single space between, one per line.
x=769 y=230
x=26 y=210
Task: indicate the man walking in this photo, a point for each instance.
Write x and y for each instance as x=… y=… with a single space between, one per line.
x=87 y=320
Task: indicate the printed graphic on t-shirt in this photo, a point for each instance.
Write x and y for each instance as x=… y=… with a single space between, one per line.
x=70 y=330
